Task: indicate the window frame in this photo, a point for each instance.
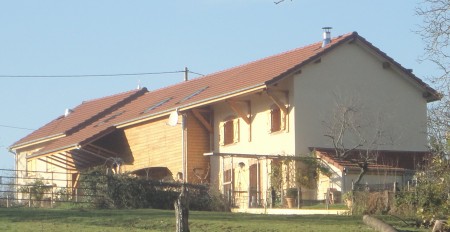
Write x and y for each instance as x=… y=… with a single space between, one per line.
x=276 y=120
x=229 y=131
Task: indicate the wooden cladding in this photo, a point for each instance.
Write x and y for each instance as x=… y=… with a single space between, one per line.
x=156 y=144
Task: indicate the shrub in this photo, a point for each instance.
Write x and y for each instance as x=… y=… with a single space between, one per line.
x=126 y=191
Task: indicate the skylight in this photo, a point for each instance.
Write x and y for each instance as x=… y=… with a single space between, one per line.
x=157 y=105
x=193 y=94
x=110 y=118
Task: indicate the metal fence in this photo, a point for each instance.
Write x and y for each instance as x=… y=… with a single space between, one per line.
x=39 y=189
x=49 y=189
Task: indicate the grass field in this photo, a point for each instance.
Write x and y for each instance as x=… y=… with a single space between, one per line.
x=25 y=219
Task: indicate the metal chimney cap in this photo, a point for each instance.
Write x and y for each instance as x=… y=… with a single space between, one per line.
x=326 y=36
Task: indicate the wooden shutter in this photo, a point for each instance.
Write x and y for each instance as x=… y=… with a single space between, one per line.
x=236 y=130
x=283 y=117
x=221 y=134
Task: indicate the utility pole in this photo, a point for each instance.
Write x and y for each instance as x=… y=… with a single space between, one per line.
x=186 y=71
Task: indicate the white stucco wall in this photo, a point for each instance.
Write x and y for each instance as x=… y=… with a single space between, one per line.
x=261 y=141
x=351 y=75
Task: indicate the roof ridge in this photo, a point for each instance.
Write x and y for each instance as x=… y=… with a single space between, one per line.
x=112 y=95
x=251 y=62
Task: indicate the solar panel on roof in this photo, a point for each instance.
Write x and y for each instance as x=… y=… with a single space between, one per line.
x=110 y=118
x=193 y=94
x=157 y=105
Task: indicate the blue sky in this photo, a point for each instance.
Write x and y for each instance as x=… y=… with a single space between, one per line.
x=111 y=37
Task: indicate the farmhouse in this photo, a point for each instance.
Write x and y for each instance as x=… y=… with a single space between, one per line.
x=236 y=128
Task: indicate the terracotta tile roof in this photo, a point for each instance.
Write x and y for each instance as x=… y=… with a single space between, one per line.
x=80 y=116
x=195 y=92
x=385 y=160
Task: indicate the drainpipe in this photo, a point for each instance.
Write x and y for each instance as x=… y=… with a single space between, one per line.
x=183 y=146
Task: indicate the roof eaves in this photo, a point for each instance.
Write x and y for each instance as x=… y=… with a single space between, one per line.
x=56 y=150
x=432 y=94
x=191 y=105
x=37 y=141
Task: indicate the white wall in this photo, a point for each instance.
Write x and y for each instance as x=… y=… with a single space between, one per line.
x=351 y=75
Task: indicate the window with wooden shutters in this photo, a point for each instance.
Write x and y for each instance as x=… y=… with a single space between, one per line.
x=275 y=119
x=228 y=130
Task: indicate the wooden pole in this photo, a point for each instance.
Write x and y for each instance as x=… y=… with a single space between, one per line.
x=182 y=211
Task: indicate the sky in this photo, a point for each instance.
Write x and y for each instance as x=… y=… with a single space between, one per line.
x=64 y=38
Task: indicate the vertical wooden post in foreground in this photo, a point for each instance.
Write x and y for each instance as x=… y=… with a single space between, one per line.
x=182 y=211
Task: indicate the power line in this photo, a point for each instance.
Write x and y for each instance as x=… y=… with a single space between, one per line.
x=97 y=75
x=15 y=127
x=92 y=75
x=196 y=73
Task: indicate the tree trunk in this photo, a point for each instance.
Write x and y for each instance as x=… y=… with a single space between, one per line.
x=363 y=167
x=182 y=211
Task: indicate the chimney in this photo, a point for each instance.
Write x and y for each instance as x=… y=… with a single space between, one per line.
x=326 y=36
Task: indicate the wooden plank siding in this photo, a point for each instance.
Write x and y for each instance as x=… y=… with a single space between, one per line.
x=198 y=143
x=155 y=144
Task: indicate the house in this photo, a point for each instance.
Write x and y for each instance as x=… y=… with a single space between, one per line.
x=233 y=127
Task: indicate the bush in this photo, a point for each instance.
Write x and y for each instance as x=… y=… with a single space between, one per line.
x=125 y=191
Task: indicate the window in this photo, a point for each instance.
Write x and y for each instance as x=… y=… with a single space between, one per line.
x=229 y=131
x=276 y=119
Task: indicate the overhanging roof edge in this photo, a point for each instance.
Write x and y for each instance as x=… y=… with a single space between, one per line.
x=37 y=141
x=190 y=105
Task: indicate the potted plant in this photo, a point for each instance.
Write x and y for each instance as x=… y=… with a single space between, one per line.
x=291 y=196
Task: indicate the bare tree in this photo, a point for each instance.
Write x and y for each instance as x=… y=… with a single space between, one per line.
x=435 y=32
x=353 y=137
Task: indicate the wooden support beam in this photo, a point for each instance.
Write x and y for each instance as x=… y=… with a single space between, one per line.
x=59 y=166
x=75 y=184
x=94 y=154
x=64 y=158
x=238 y=111
x=79 y=159
x=277 y=101
x=61 y=161
x=111 y=153
x=202 y=120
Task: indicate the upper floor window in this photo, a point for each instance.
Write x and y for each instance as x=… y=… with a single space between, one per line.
x=276 y=119
x=229 y=131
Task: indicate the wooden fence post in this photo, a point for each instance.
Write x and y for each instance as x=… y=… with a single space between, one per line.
x=182 y=211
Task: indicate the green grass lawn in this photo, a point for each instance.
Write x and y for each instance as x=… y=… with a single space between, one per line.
x=26 y=219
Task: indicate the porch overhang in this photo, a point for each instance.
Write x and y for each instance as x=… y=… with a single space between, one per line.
x=74 y=158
